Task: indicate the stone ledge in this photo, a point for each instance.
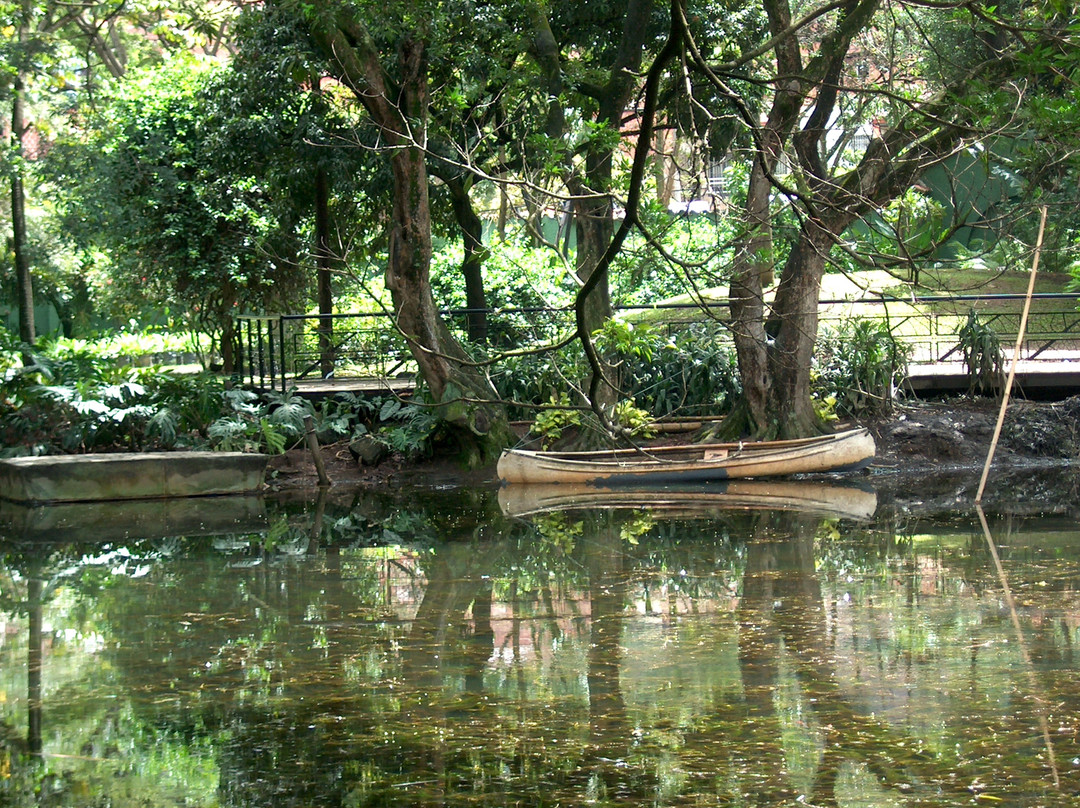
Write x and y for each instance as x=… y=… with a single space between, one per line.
x=149 y=475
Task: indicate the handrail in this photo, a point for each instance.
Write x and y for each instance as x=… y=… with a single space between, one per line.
x=281 y=347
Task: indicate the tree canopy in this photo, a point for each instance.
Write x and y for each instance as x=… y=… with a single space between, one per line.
x=339 y=136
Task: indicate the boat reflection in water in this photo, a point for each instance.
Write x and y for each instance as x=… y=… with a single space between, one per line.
x=818 y=498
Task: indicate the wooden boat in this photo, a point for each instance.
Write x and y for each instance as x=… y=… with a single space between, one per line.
x=691 y=463
x=695 y=501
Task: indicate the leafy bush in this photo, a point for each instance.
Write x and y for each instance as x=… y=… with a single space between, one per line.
x=983 y=356
x=73 y=398
x=246 y=432
x=268 y=423
x=533 y=380
x=551 y=422
x=690 y=372
x=859 y=366
x=405 y=427
x=634 y=419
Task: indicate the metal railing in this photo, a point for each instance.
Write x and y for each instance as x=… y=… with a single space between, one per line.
x=276 y=351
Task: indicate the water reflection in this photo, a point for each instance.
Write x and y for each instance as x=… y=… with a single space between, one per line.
x=824 y=499
x=425 y=648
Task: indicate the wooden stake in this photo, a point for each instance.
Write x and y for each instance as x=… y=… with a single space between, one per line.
x=1015 y=359
x=316 y=455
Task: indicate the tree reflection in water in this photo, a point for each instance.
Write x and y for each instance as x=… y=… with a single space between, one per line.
x=367 y=653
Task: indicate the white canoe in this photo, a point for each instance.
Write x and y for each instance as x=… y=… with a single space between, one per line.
x=692 y=463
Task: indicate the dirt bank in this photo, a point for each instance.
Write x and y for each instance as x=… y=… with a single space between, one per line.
x=938 y=435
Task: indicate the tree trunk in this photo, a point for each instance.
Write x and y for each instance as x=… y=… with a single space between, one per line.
x=463 y=394
x=594 y=222
x=753 y=269
x=775 y=374
x=323 y=261
x=664 y=168
x=472 y=236
x=23 y=276
x=229 y=337
x=794 y=324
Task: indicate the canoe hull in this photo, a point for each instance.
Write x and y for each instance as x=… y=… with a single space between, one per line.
x=840 y=452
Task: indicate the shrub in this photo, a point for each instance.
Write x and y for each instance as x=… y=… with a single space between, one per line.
x=983 y=356
x=690 y=372
x=75 y=399
x=859 y=366
x=551 y=422
x=408 y=428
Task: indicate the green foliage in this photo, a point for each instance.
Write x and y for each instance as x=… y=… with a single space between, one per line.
x=74 y=398
x=859 y=366
x=533 y=380
x=634 y=419
x=907 y=231
x=621 y=338
x=408 y=428
x=343 y=417
x=148 y=188
x=690 y=372
x=125 y=345
x=983 y=356
x=268 y=423
x=642 y=276
x=246 y=432
x=550 y=422
x=516 y=277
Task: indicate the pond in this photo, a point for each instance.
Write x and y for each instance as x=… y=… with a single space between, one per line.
x=800 y=646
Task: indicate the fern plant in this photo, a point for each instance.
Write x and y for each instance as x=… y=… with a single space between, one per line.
x=237 y=433
x=271 y=423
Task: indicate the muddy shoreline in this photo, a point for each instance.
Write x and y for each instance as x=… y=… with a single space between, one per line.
x=930 y=456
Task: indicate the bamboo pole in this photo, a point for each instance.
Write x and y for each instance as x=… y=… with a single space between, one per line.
x=1015 y=359
x=1033 y=680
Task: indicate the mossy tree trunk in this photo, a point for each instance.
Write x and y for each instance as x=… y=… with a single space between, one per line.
x=398 y=106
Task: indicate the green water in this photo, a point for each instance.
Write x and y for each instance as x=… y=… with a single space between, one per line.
x=426 y=649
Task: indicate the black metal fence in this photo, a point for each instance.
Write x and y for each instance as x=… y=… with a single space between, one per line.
x=276 y=351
